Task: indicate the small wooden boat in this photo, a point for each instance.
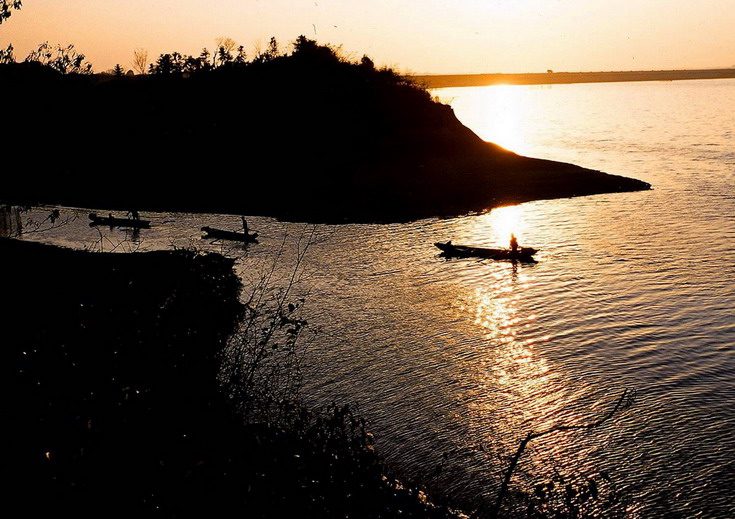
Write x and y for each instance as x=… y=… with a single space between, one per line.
x=211 y=232
x=113 y=221
x=450 y=250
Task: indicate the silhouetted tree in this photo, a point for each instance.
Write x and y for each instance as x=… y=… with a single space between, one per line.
x=241 y=58
x=195 y=65
x=225 y=47
x=204 y=57
x=118 y=71
x=140 y=61
x=167 y=64
x=269 y=54
x=6 y=6
x=310 y=49
x=304 y=45
x=62 y=59
x=7 y=56
x=367 y=63
x=223 y=57
x=273 y=48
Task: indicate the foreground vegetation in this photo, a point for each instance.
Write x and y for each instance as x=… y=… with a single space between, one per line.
x=305 y=135
x=115 y=404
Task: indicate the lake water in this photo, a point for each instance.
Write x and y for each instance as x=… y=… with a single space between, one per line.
x=453 y=362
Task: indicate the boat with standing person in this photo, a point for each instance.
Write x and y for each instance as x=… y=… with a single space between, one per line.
x=450 y=250
x=222 y=234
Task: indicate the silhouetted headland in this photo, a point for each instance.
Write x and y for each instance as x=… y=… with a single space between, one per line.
x=306 y=136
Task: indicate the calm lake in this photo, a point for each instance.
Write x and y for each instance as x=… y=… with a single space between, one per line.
x=453 y=362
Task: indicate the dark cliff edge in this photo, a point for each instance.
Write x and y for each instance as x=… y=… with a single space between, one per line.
x=309 y=136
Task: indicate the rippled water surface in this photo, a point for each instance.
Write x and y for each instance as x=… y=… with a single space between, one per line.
x=453 y=362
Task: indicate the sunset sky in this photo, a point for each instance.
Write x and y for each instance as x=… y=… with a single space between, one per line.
x=414 y=36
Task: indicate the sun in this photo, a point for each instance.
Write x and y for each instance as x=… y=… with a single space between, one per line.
x=504 y=113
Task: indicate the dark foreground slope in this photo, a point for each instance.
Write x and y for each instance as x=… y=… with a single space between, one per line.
x=307 y=136
x=111 y=404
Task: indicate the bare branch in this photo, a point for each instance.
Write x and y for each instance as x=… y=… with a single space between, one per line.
x=261 y=366
x=625 y=401
x=140 y=61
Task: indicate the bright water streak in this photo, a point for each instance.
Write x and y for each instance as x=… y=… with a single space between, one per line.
x=452 y=362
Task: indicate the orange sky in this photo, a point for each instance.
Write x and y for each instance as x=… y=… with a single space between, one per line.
x=420 y=36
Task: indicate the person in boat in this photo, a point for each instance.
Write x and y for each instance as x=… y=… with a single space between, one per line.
x=513 y=243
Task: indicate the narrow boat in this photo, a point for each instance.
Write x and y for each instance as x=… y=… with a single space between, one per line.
x=113 y=221
x=211 y=232
x=450 y=250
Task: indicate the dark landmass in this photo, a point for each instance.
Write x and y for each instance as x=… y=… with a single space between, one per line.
x=556 y=78
x=309 y=136
x=112 y=406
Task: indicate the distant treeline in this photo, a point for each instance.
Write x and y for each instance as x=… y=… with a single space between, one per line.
x=554 y=78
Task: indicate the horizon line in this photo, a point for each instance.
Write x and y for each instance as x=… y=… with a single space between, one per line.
x=551 y=71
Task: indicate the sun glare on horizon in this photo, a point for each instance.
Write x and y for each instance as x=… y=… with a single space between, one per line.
x=505 y=113
x=498 y=114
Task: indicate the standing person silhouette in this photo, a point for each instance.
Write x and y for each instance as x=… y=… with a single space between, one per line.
x=513 y=243
x=244 y=225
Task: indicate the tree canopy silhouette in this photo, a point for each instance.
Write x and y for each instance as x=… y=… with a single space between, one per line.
x=6 y=7
x=63 y=59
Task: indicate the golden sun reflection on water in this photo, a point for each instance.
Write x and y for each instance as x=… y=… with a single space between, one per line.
x=513 y=384
x=514 y=368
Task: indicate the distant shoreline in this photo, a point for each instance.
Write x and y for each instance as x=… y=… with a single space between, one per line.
x=557 y=78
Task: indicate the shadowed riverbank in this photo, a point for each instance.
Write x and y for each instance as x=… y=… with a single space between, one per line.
x=114 y=404
x=307 y=136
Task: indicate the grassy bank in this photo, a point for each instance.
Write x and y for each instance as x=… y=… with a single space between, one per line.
x=112 y=404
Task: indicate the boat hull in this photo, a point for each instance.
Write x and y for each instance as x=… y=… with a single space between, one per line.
x=211 y=232
x=450 y=250
x=111 y=221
